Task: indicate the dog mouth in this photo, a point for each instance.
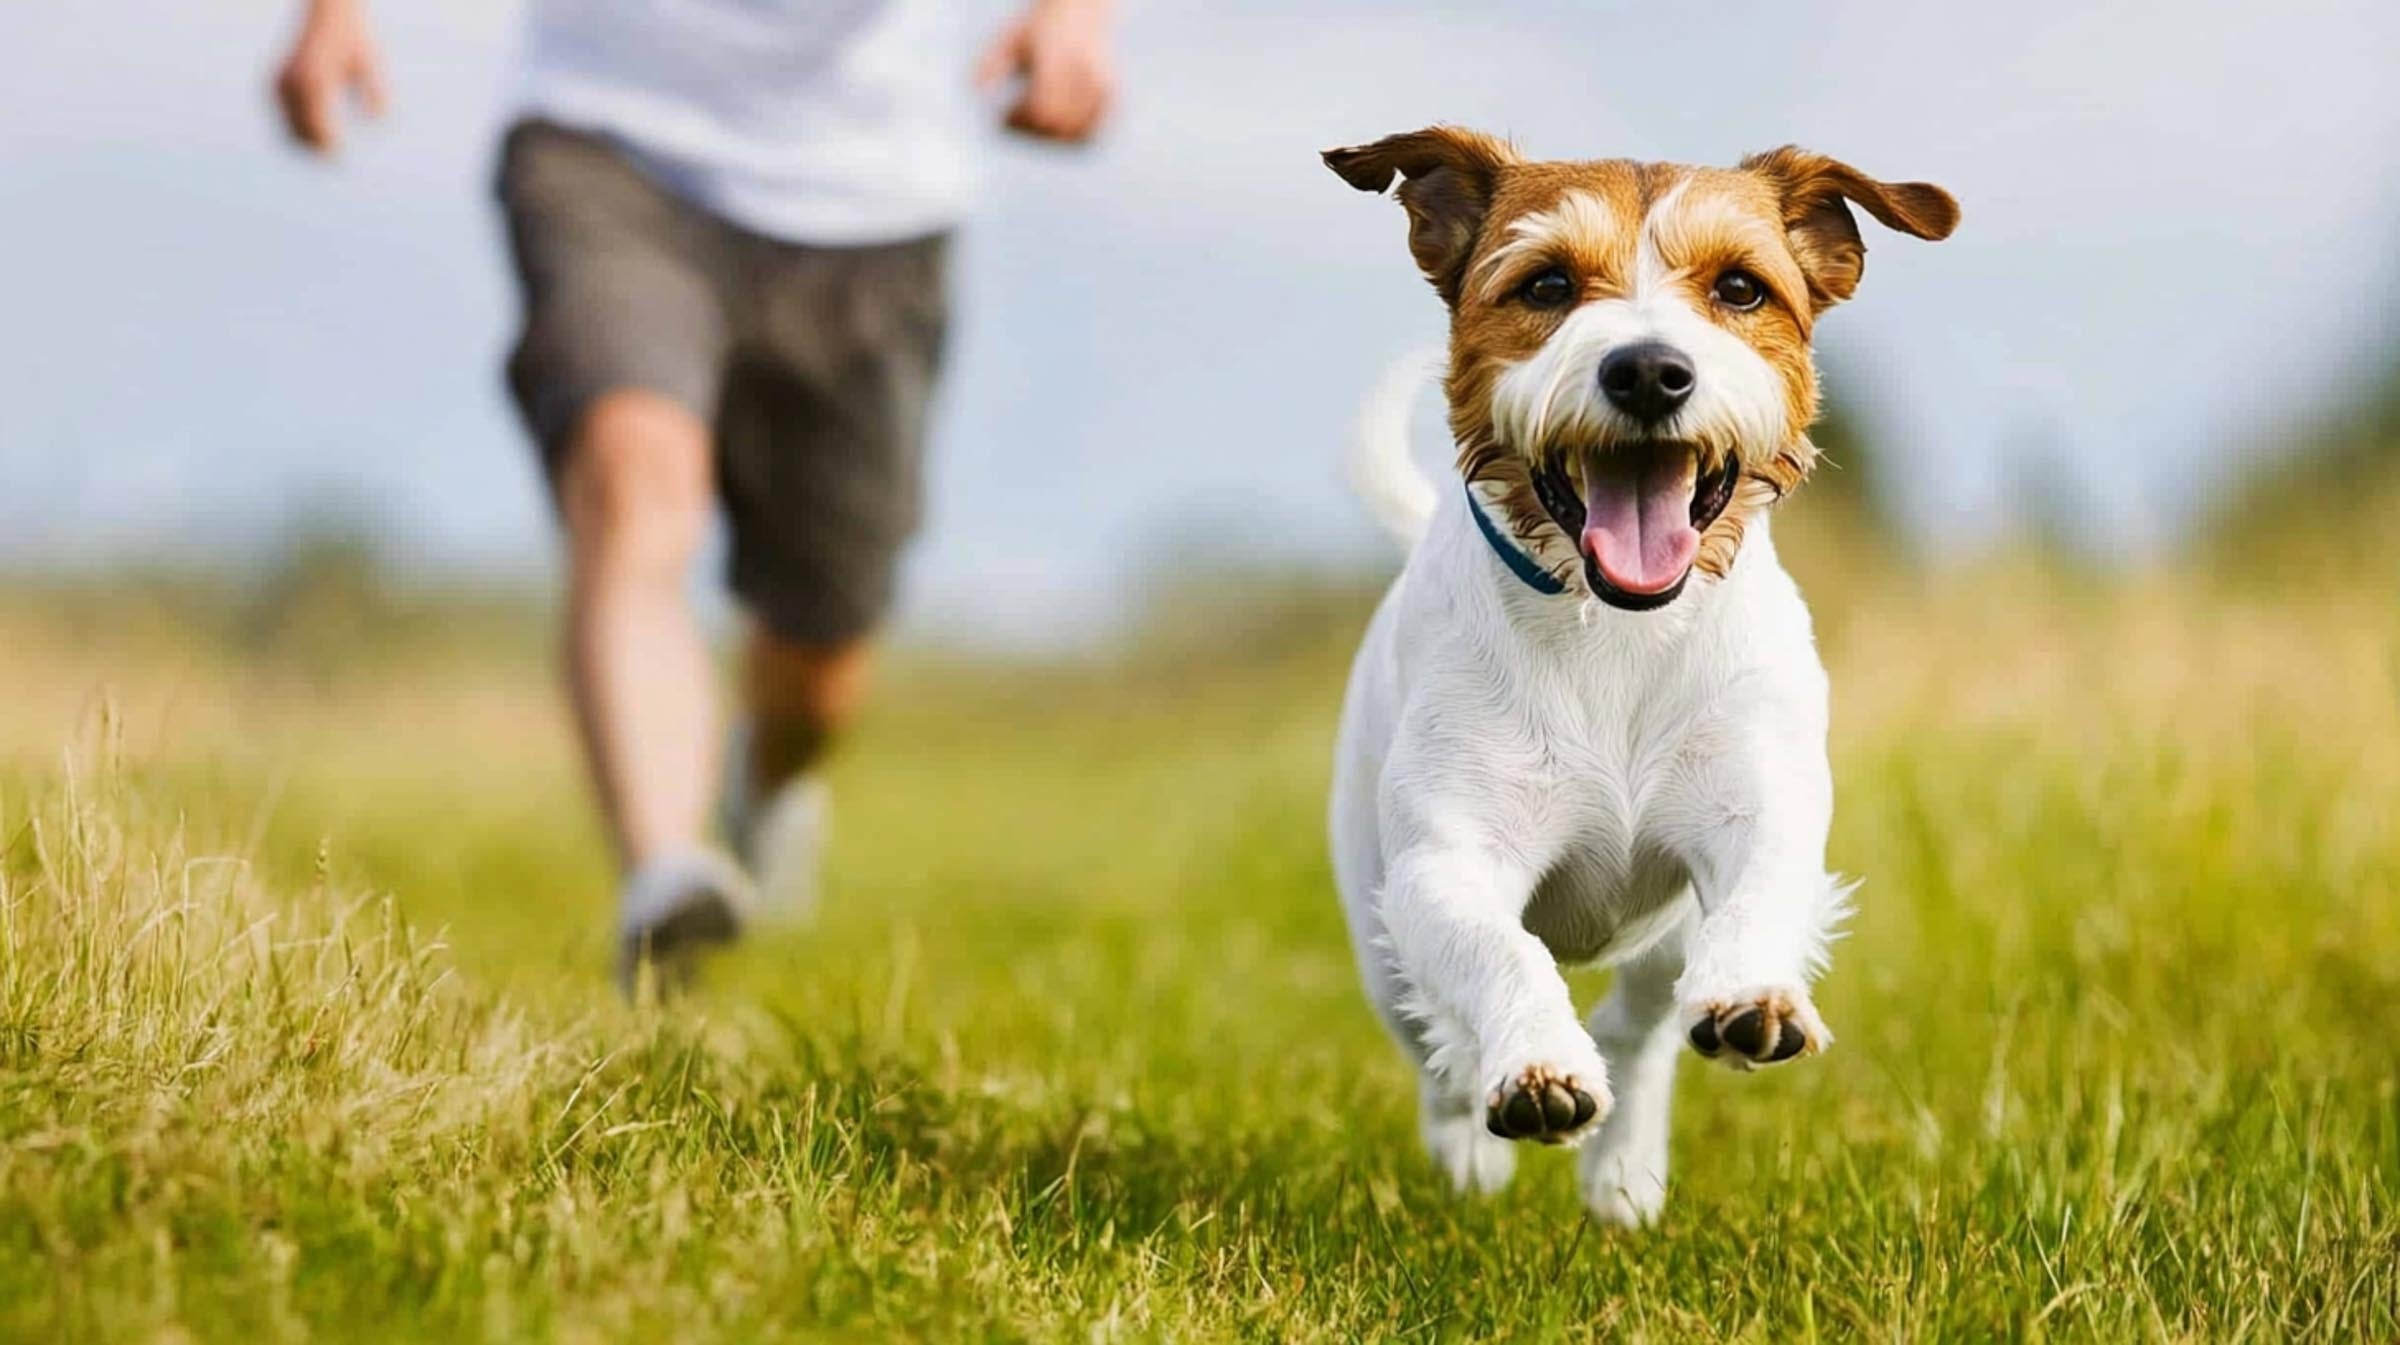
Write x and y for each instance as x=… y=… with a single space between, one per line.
x=1636 y=512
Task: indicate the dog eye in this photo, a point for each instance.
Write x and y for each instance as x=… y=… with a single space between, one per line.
x=1740 y=290
x=1547 y=289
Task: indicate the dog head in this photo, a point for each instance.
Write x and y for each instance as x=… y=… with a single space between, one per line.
x=1630 y=374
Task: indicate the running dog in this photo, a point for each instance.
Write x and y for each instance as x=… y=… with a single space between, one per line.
x=1588 y=721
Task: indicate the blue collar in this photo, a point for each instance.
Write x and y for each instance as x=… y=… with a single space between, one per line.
x=1527 y=570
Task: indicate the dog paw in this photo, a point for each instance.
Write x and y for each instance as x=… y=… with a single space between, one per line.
x=1624 y=1194
x=1765 y=1026
x=1541 y=1103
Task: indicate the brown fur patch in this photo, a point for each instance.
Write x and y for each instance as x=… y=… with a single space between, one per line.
x=1824 y=237
x=1447 y=176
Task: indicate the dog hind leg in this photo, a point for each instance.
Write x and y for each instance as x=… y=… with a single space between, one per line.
x=1623 y=1170
x=1476 y=1161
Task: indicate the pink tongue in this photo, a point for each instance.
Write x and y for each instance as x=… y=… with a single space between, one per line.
x=1637 y=518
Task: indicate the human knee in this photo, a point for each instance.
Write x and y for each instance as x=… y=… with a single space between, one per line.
x=638 y=488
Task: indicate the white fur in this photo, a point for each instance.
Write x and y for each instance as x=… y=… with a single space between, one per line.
x=1525 y=780
x=1551 y=400
x=1397 y=493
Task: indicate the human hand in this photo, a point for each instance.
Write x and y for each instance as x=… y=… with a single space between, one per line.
x=1061 y=48
x=334 y=54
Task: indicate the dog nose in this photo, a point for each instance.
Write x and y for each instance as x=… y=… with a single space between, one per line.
x=1649 y=381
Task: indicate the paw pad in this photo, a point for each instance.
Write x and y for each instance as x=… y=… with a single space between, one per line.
x=1540 y=1104
x=1767 y=1029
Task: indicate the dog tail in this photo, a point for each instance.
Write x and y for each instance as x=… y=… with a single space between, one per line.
x=1380 y=468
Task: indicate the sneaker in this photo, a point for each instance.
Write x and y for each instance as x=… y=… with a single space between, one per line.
x=781 y=837
x=672 y=910
x=784 y=843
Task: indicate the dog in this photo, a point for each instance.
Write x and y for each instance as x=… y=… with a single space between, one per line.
x=1587 y=722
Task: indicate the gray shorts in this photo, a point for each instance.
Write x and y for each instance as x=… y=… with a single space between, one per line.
x=813 y=364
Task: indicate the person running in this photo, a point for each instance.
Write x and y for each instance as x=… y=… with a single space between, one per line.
x=729 y=221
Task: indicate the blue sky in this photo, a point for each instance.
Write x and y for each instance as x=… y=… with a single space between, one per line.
x=2180 y=236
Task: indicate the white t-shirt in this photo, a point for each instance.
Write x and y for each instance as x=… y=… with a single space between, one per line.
x=837 y=122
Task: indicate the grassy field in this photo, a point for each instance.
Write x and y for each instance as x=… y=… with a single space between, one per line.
x=305 y=1028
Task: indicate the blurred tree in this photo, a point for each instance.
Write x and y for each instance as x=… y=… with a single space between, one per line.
x=2048 y=504
x=1848 y=464
x=1844 y=525
x=329 y=603
x=2327 y=500
x=321 y=596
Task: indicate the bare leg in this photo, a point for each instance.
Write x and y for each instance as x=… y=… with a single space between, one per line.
x=801 y=696
x=637 y=493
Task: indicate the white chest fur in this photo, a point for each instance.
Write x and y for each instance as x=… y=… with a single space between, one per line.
x=1616 y=756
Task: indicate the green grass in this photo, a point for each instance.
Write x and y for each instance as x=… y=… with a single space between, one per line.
x=305 y=1030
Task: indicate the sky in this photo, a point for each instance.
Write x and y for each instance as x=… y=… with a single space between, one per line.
x=2179 y=239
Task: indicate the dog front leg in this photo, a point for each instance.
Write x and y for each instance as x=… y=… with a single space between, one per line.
x=1498 y=1022
x=1768 y=911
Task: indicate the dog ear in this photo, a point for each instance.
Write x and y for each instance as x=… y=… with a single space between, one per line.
x=1446 y=186
x=1823 y=236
